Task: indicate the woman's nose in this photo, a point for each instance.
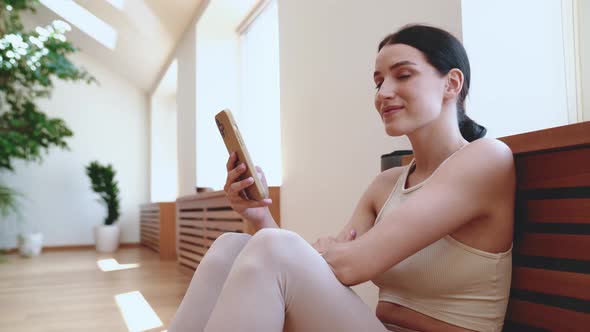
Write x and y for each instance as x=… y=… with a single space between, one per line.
x=386 y=91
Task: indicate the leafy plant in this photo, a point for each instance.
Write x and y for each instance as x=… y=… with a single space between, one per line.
x=29 y=62
x=8 y=201
x=104 y=184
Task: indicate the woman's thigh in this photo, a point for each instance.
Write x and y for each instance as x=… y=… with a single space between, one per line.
x=314 y=299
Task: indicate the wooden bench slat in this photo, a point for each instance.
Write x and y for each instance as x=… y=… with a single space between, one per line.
x=547 y=317
x=561 y=169
x=193 y=214
x=559 y=210
x=230 y=226
x=187 y=222
x=192 y=231
x=150 y=228
x=193 y=256
x=231 y=214
x=555 y=245
x=192 y=247
x=188 y=262
x=576 y=285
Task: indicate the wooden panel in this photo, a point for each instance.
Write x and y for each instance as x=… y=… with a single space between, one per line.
x=167 y=230
x=555 y=245
x=193 y=256
x=154 y=219
x=150 y=226
x=149 y=238
x=199 y=240
x=229 y=226
x=153 y=232
x=576 y=285
x=228 y=214
x=549 y=139
x=193 y=231
x=187 y=262
x=194 y=248
x=211 y=233
x=191 y=239
x=552 y=318
x=193 y=214
x=561 y=169
x=193 y=223
x=559 y=211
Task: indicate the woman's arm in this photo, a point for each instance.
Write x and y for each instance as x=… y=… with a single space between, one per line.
x=365 y=212
x=461 y=191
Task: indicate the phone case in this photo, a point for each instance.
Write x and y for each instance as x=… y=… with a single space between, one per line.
x=234 y=143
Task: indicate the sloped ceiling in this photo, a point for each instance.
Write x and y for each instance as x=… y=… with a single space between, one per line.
x=147 y=32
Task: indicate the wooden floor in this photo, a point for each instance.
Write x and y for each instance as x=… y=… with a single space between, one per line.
x=67 y=291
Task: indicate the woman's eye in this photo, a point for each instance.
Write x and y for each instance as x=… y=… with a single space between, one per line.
x=403 y=77
x=378 y=86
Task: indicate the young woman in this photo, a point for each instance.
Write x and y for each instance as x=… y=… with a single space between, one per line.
x=434 y=236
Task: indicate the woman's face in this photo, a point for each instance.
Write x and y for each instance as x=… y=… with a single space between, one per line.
x=410 y=90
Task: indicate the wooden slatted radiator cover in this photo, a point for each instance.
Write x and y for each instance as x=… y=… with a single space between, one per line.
x=158 y=228
x=203 y=217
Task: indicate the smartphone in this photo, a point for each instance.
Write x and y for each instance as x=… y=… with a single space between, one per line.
x=232 y=138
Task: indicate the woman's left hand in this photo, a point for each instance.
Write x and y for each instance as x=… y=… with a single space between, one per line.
x=324 y=243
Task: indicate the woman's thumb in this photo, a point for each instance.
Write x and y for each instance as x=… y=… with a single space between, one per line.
x=351 y=235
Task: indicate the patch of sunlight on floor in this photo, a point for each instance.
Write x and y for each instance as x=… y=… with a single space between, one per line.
x=137 y=312
x=111 y=264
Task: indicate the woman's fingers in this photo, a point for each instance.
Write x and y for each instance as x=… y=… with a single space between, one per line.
x=252 y=204
x=236 y=187
x=351 y=235
x=235 y=173
x=231 y=162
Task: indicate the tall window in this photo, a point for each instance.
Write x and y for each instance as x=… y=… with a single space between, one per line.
x=259 y=117
x=239 y=71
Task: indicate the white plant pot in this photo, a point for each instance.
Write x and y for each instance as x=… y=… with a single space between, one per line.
x=30 y=244
x=107 y=237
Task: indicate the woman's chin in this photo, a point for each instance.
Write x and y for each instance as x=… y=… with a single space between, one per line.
x=394 y=131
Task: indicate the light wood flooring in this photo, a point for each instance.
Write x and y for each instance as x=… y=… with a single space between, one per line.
x=67 y=291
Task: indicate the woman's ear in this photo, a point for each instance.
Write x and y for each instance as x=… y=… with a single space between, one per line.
x=454 y=83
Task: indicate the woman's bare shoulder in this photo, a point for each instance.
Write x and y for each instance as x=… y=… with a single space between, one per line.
x=382 y=186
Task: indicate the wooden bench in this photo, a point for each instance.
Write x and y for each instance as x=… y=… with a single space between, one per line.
x=551 y=258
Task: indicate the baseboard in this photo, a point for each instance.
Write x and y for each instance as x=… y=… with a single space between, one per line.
x=78 y=247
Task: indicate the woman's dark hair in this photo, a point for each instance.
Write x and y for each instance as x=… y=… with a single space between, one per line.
x=444 y=52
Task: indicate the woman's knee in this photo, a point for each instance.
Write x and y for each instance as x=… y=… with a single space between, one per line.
x=223 y=252
x=229 y=240
x=277 y=243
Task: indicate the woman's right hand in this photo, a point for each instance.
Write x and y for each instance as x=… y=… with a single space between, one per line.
x=256 y=212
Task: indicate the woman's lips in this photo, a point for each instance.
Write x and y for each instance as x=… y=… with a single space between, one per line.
x=390 y=110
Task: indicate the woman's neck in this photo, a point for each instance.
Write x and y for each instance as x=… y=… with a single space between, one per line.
x=433 y=144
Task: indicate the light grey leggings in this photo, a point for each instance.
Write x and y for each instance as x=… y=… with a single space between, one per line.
x=272 y=281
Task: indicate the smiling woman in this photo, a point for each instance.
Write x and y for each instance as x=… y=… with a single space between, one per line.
x=441 y=264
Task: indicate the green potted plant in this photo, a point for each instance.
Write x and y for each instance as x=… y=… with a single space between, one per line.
x=30 y=61
x=105 y=185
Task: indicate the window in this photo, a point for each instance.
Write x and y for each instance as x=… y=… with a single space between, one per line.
x=260 y=92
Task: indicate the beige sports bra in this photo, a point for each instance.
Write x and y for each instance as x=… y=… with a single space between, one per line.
x=448 y=280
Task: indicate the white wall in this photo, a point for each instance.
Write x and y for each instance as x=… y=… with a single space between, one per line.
x=186 y=99
x=584 y=39
x=164 y=149
x=110 y=124
x=332 y=135
x=517 y=64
